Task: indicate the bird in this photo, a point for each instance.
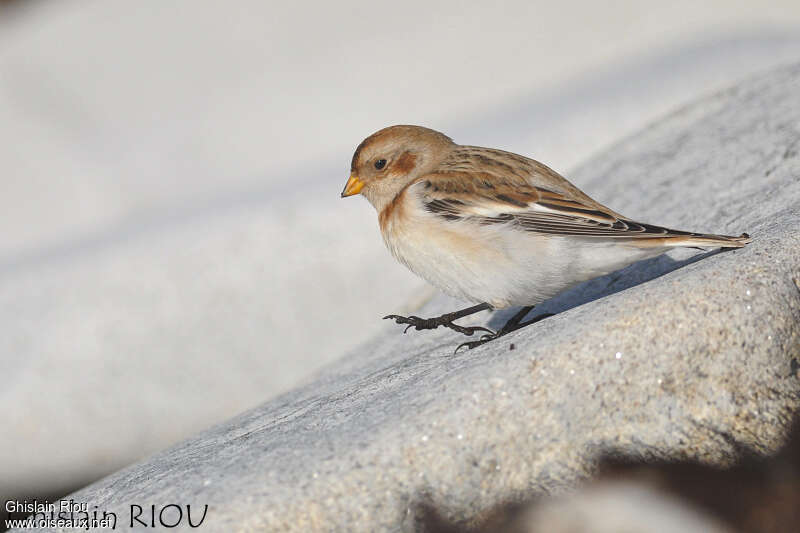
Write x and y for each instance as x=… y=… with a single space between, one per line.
x=495 y=228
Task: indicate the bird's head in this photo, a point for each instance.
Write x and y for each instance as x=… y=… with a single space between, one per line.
x=391 y=158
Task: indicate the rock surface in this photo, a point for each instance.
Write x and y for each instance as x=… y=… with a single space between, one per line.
x=695 y=363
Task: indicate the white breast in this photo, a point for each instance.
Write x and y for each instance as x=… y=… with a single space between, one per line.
x=494 y=263
x=470 y=262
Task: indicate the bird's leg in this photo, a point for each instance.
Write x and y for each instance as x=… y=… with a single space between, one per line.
x=513 y=324
x=445 y=320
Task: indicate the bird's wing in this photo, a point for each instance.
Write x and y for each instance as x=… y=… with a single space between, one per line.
x=478 y=197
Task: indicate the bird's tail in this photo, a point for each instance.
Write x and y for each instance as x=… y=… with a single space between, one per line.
x=673 y=238
x=714 y=241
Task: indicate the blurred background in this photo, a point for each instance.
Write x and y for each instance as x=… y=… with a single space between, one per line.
x=173 y=248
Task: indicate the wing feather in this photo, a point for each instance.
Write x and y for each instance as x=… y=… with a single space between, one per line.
x=472 y=190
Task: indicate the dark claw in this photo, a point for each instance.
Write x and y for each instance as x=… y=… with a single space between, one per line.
x=474 y=344
x=419 y=324
x=446 y=321
x=491 y=335
x=467 y=344
x=468 y=331
x=470 y=345
x=412 y=321
x=399 y=319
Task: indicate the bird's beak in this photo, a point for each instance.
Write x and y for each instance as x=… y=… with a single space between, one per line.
x=353 y=186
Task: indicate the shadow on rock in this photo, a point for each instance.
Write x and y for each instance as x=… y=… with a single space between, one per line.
x=757 y=495
x=597 y=288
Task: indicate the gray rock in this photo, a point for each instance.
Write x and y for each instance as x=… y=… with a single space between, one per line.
x=695 y=363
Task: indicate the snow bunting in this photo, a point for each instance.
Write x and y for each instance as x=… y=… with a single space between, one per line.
x=495 y=228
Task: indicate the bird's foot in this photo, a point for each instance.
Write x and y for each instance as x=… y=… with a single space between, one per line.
x=483 y=340
x=445 y=320
x=508 y=328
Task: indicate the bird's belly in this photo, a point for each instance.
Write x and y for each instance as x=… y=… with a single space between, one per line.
x=500 y=266
x=475 y=266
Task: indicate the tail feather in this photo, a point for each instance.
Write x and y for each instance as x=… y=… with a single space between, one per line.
x=701 y=240
x=722 y=241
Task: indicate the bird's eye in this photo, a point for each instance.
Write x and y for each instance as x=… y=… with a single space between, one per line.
x=380 y=163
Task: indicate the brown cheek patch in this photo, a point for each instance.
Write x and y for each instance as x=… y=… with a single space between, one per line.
x=405 y=163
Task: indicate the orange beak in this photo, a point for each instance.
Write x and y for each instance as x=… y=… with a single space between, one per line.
x=353 y=186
